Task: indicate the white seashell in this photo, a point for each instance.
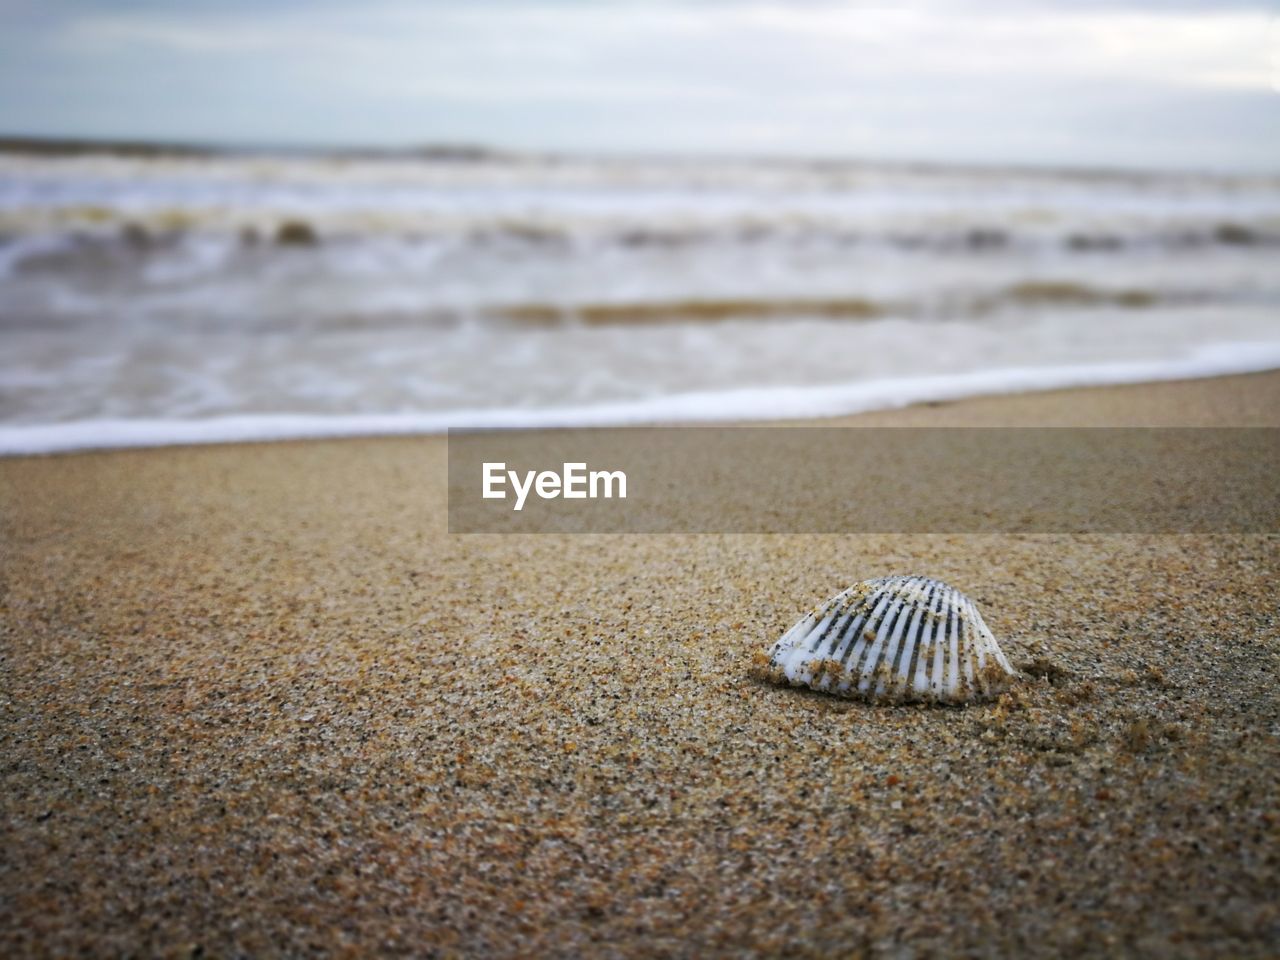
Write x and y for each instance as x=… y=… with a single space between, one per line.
x=895 y=639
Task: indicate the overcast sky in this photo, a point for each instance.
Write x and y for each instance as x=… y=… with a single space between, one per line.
x=1144 y=83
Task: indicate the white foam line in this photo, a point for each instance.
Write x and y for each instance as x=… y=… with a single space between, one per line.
x=773 y=403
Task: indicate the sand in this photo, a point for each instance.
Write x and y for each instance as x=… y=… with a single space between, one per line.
x=255 y=700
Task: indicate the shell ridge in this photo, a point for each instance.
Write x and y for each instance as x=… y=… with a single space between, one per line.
x=791 y=642
x=980 y=639
x=994 y=647
x=795 y=634
x=849 y=640
x=789 y=653
x=928 y=640
x=940 y=646
x=952 y=679
x=909 y=657
x=813 y=639
x=824 y=616
x=897 y=681
x=875 y=658
x=841 y=627
x=878 y=627
x=868 y=634
x=965 y=680
x=834 y=627
x=901 y=636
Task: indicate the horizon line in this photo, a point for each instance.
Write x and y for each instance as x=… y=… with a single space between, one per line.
x=447 y=151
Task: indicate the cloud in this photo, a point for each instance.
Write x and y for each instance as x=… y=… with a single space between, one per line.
x=1018 y=79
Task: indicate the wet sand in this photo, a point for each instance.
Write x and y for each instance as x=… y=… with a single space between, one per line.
x=255 y=700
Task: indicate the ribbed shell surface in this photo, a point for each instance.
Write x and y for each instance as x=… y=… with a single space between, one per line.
x=895 y=639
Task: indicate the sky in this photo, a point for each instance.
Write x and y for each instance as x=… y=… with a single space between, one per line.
x=1138 y=84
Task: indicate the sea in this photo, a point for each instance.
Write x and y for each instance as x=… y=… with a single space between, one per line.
x=152 y=297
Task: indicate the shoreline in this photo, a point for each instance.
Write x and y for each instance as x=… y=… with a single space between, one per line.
x=257 y=701
x=99 y=435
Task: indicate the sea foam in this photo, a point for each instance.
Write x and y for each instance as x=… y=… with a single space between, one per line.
x=763 y=404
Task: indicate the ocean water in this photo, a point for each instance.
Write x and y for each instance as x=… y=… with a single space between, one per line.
x=170 y=299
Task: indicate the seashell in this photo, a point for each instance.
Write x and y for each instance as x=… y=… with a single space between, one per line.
x=893 y=639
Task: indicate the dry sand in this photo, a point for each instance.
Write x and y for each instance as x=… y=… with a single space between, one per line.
x=255 y=700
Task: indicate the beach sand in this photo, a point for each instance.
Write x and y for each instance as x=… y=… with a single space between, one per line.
x=255 y=700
